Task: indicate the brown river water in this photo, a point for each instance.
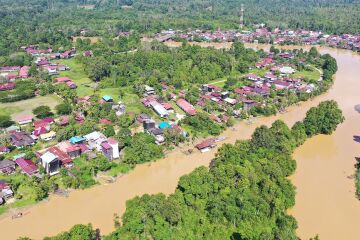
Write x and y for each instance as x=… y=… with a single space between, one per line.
x=325 y=200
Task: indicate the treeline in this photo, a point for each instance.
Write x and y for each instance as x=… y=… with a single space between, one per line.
x=24 y=90
x=52 y=22
x=244 y=195
x=156 y=63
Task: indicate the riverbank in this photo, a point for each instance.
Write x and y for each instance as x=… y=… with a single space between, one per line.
x=313 y=177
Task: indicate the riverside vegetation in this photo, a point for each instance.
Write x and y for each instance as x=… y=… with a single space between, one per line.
x=245 y=194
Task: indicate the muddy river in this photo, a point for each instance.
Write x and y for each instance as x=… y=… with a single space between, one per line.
x=325 y=201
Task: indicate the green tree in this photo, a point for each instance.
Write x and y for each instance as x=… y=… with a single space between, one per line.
x=42 y=112
x=63 y=108
x=5 y=121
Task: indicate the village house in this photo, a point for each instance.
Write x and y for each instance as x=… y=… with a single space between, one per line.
x=7 y=166
x=4 y=150
x=286 y=70
x=88 y=53
x=206 y=145
x=25 y=119
x=48 y=136
x=149 y=90
x=158 y=135
x=7 y=86
x=248 y=104
x=159 y=109
x=107 y=99
x=148 y=124
x=5 y=192
x=186 y=107
x=27 y=166
x=24 y=72
x=21 y=139
x=51 y=163
x=110 y=149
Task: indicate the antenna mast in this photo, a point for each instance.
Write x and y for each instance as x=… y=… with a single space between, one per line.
x=242 y=16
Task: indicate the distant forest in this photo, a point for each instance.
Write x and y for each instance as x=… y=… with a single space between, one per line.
x=54 y=21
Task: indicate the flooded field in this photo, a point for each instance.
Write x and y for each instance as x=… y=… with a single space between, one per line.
x=325 y=201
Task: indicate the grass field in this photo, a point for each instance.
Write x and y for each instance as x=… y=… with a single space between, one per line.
x=24 y=107
x=92 y=39
x=314 y=74
x=78 y=75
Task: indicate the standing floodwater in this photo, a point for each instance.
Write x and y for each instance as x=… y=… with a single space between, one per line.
x=325 y=200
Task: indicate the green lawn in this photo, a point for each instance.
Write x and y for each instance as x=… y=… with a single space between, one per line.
x=25 y=107
x=78 y=75
x=9 y=110
x=118 y=169
x=25 y=190
x=314 y=74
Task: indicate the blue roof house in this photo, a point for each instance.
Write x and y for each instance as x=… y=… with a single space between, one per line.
x=164 y=125
x=76 y=140
x=107 y=98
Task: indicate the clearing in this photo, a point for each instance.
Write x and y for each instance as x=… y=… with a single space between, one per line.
x=25 y=107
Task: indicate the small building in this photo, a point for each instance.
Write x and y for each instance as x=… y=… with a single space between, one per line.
x=230 y=101
x=21 y=139
x=7 y=86
x=73 y=151
x=164 y=125
x=27 y=166
x=22 y=120
x=107 y=98
x=63 y=120
x=105 y=121
x=186 y=107
x=206 y=145
x=76 y=140
x=252 y=77
x=6 y=194
x=12 y=128
x=158 y=134
x=88 y=53
x=7 y=166
x=149 y=90
x=51 y=163
x=48 y=136
x=159 y=109
x=248 y=104
x=4 y=150
x=148 y=124
x=287 y=70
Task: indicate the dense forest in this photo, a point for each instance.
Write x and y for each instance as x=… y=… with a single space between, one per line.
x=54 y=22
x=244 y=194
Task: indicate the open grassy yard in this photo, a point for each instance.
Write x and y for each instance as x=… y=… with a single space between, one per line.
x=92 y=39
x=24 y=107
x=314 y=74
x=78 y=75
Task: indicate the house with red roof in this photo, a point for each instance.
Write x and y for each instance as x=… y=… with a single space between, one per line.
x=63 y=157
x=282 y=85
x=24 y=119
x=27 y=166
x=104 y=121
x=7 y=86
x=71 y=84
x=186 y=106
x=206 y=145
x=4 y=150
x=63 y=120
x=252 y=77
x=24 y=72
x=88 y=53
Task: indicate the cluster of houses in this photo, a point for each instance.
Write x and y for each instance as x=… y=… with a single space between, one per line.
x=63 y=153
x=9 y=74
x=261 y=34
